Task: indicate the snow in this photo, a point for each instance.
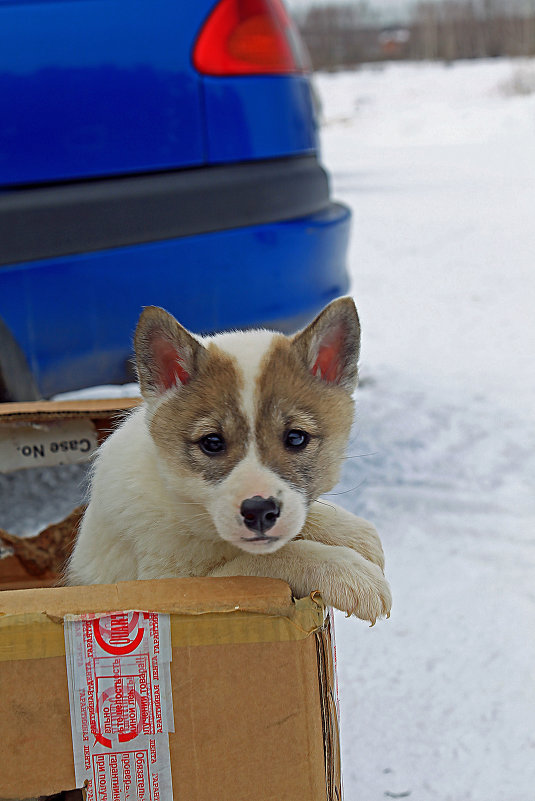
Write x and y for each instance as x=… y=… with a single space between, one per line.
x=103 y=391
x=438 y=165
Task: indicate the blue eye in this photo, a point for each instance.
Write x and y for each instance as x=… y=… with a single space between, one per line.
x=296 y=439
x=212 y=444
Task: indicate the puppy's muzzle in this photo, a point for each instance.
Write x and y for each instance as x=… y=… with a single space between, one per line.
x=260 y=514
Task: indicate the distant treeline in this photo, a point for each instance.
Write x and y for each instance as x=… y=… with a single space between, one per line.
x=348 y=33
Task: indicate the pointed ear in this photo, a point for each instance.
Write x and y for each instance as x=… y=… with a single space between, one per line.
x=167 y=355
x=330 y=345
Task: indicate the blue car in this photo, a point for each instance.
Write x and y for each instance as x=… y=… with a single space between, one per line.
x=154 y=152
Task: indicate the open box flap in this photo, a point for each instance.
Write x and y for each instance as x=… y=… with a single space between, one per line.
x=39 y=411
x=37 y=561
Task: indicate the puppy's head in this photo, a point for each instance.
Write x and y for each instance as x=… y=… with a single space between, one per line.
x=251 y=425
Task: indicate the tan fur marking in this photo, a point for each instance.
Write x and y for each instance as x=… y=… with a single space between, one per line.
x=289 y=396
x=209 y=403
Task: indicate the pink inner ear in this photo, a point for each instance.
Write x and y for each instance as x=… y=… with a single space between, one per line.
x=168 y=364
x=328 y=364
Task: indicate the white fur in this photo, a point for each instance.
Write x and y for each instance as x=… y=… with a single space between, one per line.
x=144 y=523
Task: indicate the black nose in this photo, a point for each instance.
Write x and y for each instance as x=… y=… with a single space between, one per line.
x=260 y=514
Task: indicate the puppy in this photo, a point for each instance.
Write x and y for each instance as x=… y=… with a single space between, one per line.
x=219 y=471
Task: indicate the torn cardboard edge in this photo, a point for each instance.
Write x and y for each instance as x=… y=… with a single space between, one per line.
x=329 y=708
x=65 y=795
x=45 y=554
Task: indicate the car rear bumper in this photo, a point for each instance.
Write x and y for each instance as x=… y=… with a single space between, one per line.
x=83 y=216
x=277 y=274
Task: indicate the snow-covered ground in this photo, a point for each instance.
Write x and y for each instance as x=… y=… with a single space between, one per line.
x=438 y=165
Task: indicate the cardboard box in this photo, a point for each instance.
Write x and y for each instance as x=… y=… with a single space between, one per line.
x=252 y=674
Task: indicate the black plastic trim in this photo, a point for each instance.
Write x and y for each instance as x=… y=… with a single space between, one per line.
x=44 y=222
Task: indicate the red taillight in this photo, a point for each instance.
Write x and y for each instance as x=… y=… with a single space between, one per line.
x=249 y=37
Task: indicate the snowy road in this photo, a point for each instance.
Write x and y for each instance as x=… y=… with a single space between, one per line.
x=438 y=164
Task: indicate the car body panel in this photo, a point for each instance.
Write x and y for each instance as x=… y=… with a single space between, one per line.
x=259 y=117
x=97 y=87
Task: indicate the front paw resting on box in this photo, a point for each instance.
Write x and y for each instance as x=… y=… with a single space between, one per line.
x=345 y=579
x=332 y=525
x=356 y=586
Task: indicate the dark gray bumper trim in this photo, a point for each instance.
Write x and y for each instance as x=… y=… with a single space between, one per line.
x=45 y=222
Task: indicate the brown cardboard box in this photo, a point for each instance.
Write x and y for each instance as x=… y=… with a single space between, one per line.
x=252 y=675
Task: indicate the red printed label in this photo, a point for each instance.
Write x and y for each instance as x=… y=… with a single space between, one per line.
x=125 y=774
x=118 y=668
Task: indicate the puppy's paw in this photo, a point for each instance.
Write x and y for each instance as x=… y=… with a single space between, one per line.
x=358 y=588
x=362 y=537
x=333 y=525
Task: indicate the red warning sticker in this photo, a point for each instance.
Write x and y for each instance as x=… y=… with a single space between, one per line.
x=118 y=669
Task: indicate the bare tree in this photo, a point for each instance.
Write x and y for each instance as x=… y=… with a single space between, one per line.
x=348 y=33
